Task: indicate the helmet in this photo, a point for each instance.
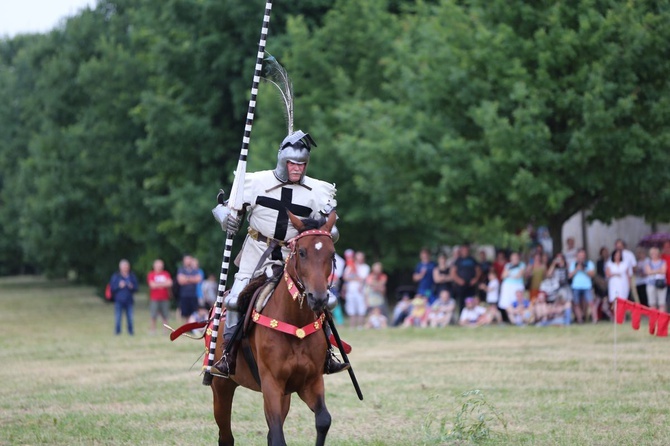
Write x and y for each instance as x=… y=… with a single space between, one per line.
x=295 y=148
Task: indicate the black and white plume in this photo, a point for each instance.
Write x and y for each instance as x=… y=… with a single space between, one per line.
x=276 y=74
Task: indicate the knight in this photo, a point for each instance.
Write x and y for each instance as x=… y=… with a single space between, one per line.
x=268 y=195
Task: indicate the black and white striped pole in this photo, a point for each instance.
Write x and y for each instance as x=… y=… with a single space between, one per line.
x=235 y=199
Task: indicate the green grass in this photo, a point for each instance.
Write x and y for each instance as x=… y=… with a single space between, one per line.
x=67 y=380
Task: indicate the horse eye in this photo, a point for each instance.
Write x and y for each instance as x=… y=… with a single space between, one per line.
x=302 y=253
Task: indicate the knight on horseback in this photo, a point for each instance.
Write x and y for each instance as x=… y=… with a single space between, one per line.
x=268 y=195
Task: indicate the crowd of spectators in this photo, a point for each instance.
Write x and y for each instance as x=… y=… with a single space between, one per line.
x=512 y=288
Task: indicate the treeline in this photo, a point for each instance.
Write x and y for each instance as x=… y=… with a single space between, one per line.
x=438 y=120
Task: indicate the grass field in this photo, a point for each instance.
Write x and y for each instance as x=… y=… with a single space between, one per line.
x=67 y=380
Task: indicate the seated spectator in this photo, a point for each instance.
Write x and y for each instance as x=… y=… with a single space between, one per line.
x=401 y=310
x=418 y=317
x=540 y=309
x=442 y=310
x=472 y=314
x=560 y=312
x=520 y=312
x=202 y=315
x=376 y=319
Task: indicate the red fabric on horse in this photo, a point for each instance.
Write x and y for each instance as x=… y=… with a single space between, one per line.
x=662 y=324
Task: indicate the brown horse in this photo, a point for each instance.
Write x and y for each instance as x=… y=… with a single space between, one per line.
x=287 y=363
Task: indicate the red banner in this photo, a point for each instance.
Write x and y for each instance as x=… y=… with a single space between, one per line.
x=658 y=320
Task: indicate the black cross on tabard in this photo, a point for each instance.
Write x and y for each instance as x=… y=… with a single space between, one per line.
x=281 y=205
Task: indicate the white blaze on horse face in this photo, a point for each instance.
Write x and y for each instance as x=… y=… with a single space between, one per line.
x=318 y=246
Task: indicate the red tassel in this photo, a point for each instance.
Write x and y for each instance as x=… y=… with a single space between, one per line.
x=662 y=324
x=333 y=342
x=621 y=308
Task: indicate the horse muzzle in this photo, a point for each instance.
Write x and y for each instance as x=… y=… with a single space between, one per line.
x=317 y=301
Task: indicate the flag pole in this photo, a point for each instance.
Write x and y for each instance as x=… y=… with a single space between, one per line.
x=235 y=200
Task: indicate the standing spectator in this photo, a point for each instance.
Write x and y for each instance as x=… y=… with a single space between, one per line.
x=499 y=264
x=600 y=283
x=536 y=271
x=558 y=271
x=337 y=288
x=512 y=282
x=188 y=278
x=492 y=290
x=640 y=277
x=160 y=283
x=581 y=272
x=375 y=288
x=423 y=275
x=124 y=286
x=198 y=286
x=570 y=251
x=484 y=266
x=210 y=289
x=618 y=280
x=628 y=258
x=627 y=255
x=442 y=275
x=656 y=270
x=665 y=255
x=354 y=278
x=465 y=274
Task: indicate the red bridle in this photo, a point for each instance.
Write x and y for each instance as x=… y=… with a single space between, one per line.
x=293 y=288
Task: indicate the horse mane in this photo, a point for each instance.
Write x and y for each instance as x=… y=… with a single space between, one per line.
x=312 y=223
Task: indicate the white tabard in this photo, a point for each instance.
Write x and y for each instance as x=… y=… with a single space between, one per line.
x=266 y=203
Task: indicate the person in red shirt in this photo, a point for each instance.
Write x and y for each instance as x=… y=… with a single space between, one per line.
x=665 y=255
x=160 y=283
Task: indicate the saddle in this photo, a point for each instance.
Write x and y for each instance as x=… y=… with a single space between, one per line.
x=256 y=295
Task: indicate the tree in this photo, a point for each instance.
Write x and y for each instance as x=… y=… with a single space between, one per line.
x=495 y=115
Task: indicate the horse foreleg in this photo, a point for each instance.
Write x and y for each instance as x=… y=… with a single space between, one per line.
x=224 y=390
x=276 y=406
x=314 y=397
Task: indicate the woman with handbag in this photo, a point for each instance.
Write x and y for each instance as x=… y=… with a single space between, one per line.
x=656 y=285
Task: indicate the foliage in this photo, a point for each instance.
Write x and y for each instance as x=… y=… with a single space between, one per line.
x=474 y=421
x=439 y=121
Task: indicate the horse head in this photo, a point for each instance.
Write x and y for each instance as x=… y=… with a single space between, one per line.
x=311 y=260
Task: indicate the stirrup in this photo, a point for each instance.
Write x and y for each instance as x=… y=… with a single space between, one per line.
x=333 y=365
x=222 y=367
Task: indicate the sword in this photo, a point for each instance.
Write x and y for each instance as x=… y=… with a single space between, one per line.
x=235 y=200
x=338 y=340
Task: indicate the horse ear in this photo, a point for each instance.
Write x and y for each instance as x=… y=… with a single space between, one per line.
x=332 y=218
x=295 y=221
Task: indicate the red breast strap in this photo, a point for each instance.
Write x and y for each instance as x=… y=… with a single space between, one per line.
x=292 y=330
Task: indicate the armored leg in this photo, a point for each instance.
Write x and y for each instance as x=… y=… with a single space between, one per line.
x=226 y=365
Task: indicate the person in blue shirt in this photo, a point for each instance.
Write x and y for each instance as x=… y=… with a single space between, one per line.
x=423 y=275
x=581 y=273
x=124 y=285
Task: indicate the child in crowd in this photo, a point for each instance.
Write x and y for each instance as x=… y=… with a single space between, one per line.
x=401 y=310
x=520 y=312
x=418 y=317
x=376 y=319
x=442 y=310
x=492 y=289
x=473 y=315
x=541 y=309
